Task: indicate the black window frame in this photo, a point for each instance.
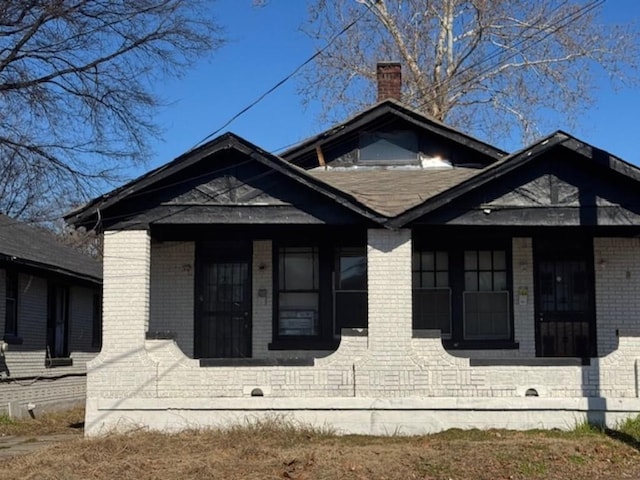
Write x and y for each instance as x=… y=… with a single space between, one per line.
x=436 y=285
x=456 y=247
x=491 y=272
x=398 y=147
x=328 y=333
x=359 y=294
x=283 y=288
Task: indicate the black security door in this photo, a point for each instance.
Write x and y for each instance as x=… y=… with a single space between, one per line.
x=564 y=306
x=223 y=301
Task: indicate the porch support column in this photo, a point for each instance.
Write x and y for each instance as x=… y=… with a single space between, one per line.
x=126 y=278
x=389 y=287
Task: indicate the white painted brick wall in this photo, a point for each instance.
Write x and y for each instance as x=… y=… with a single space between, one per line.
x=390 y=292
x=262 y=275
x=126 y=280
x=523 y=297
x=617 y=278
x=123 y=367
x=389 y=363
x=172 y=291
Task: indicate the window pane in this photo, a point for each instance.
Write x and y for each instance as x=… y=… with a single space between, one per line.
x=442 y=261
x=415 y=261
x=428 y=280
x=388 y=147
x=299 y=269
x=432 y=310
x=442 y=279
x=470 y=260
x=353 y=271
x=298 y=314
x=486 y=315
x=351 y=310
x=499 y=260
x=484 y=260
x=428 y=261
x=471 y=281
x=500 y=281
x=485 y=281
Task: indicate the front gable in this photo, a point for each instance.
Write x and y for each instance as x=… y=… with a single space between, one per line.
x=229 y=181
x=564 y=183
x=392 y=135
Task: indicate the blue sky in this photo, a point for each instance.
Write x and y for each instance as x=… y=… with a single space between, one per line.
x=266 y=45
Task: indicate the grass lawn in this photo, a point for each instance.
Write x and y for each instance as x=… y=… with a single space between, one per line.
x=278 y=450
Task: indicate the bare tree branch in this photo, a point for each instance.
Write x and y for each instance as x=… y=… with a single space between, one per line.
x=494 y=68
x=76 y=102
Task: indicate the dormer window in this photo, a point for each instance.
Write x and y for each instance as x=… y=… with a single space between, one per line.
x=392 y=148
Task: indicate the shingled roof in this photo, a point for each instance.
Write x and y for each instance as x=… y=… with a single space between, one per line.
x=26 y=245
x=392 y=192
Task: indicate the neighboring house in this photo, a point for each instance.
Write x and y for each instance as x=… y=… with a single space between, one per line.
x=50 y=320
x=391 y=275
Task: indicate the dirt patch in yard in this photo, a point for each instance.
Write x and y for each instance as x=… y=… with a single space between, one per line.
x=276 y=450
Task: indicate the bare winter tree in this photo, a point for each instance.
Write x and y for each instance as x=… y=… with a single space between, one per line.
x=497 y=68
x=76 y=98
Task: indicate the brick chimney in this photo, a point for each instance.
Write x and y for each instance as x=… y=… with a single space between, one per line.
x=389 y=76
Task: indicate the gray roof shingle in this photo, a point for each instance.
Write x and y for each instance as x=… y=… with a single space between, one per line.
x=390 y=192
x=28 y=245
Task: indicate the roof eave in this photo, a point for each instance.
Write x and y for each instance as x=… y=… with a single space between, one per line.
x=10 y=259
x=228 y=140
x=490 y=173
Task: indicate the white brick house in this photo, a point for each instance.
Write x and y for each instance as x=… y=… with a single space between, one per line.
x=391 y=275
x=50 y=320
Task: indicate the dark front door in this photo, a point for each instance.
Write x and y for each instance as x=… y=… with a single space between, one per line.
x=223 y=301
x=564 y=306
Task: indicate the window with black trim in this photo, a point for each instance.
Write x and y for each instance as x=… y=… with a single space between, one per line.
x=299 y=291
x=321 y=289
x=351 y=288
x=486 y=295
x=465 y=292
x=431 y=291
x=395 y=147
x=11 y=303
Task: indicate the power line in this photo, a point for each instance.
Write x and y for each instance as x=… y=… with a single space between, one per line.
x=560 y=23
x=285 y=79
x=527 y=40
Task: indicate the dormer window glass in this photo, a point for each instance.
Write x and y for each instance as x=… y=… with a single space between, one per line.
x=388 y=148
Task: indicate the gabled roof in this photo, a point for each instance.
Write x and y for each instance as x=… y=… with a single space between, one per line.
x=92 y=211
x=390 y=197
x=26 y=245
x=391 y=107
x=559 y=139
